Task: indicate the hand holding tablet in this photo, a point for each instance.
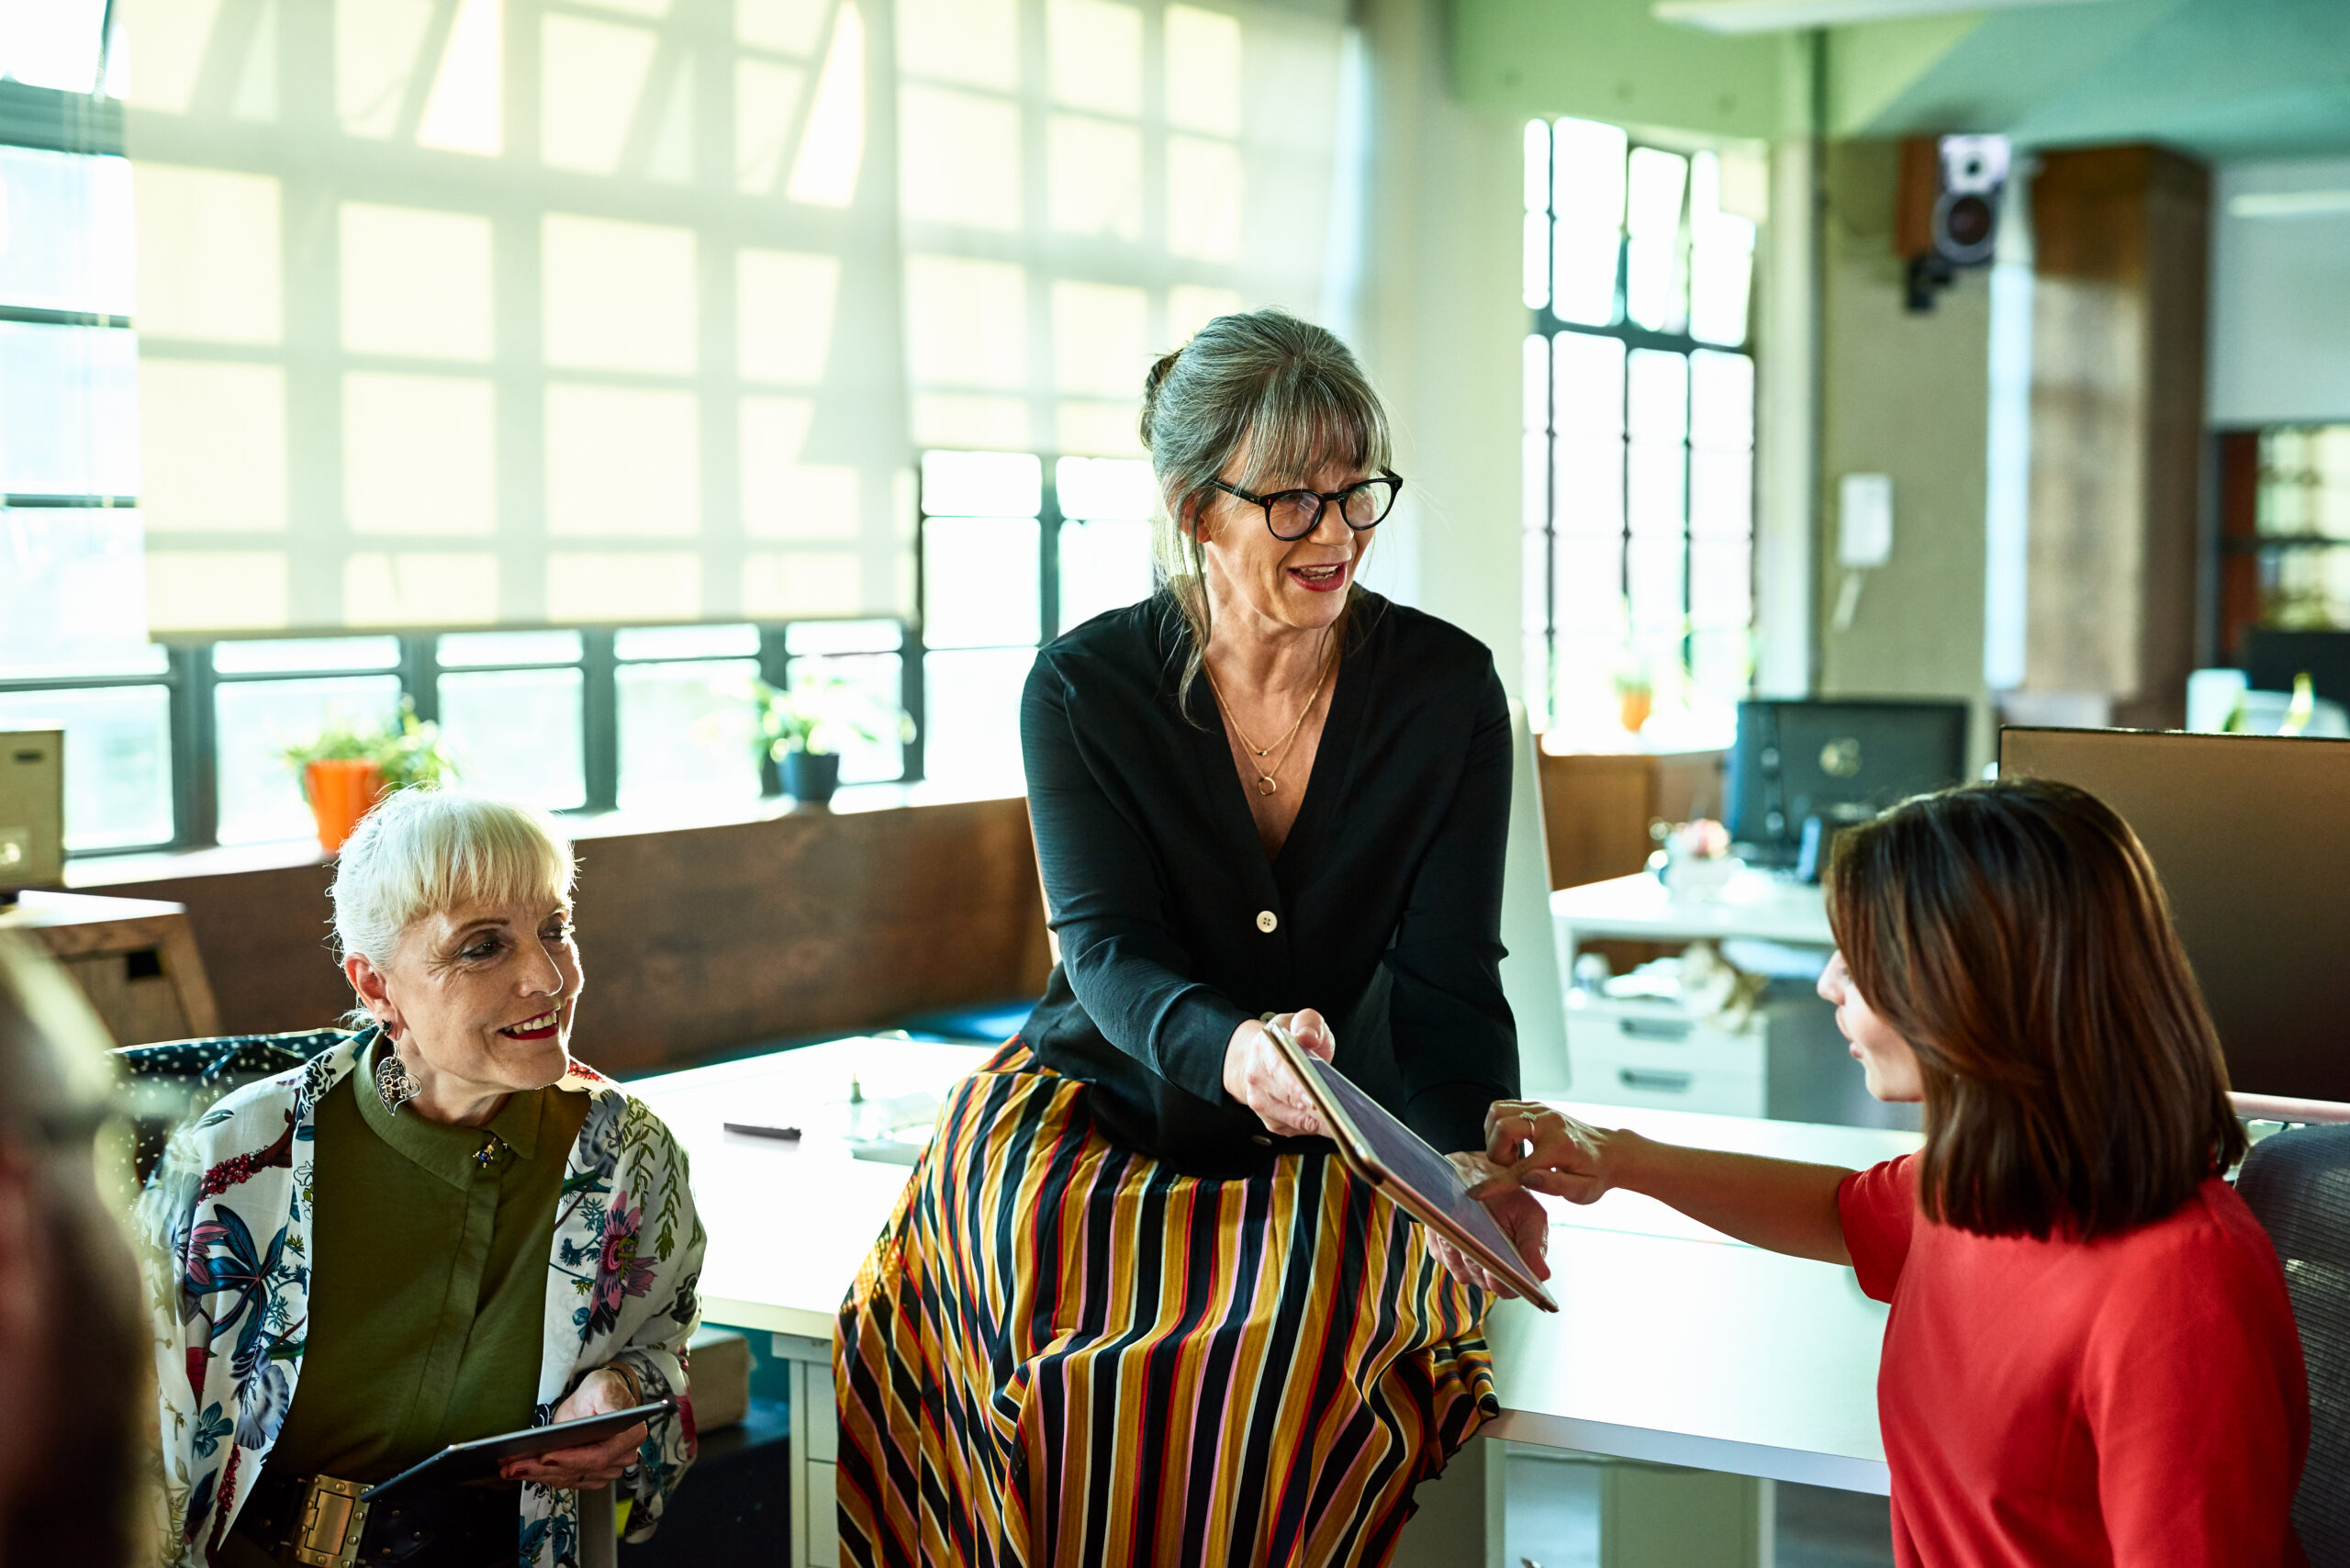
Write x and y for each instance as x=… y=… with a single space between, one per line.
x=1423 y=1182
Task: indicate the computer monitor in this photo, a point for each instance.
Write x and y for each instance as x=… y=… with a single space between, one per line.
x=2273 y=659
x=2251 y=836
x=1841 y=761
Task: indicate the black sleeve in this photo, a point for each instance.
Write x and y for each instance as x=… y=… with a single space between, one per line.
x=1456 y=1045
x=1102 y=885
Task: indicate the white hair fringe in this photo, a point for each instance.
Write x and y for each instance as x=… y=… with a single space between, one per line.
x=425 y=850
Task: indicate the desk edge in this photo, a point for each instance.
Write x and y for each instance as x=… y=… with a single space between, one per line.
x=1841 y=1471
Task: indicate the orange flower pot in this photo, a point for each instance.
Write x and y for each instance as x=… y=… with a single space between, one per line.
x=1632 y=708
x=341 y=793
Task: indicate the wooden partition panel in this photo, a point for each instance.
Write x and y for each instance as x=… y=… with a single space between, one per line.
x=2122 y=238
x=702 y=941
x=1597 y=807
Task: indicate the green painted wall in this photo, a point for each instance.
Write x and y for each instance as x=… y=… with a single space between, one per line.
x=1609 y=59
x=1906 y=395
x=2223 y=79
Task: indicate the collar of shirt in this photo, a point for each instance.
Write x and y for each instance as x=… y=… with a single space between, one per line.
x=453 y=1154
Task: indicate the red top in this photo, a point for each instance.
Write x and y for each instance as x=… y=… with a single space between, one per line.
x=2138 y=1399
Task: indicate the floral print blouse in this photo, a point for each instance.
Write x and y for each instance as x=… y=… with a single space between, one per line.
x=226 y=1225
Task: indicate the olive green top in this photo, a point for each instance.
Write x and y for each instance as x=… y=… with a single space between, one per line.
x=429 y=1279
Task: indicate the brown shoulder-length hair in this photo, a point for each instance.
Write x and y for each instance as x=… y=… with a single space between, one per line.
x=2016 y=936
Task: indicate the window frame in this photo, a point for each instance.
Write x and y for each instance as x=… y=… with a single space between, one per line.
x=1548 y=325
x=193 y=683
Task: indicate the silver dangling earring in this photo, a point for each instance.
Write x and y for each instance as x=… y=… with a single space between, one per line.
x=395 y=1085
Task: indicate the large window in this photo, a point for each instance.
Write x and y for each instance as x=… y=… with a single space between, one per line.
x=1010 y=561
x=181 y=747
x=2298 y=543
x=1639 y=434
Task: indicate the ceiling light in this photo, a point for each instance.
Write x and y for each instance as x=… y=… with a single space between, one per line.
x=1782 y=16
x=2290 y=204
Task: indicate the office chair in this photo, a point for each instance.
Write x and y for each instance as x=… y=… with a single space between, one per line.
x=177 y=1080
x=2297 y=1183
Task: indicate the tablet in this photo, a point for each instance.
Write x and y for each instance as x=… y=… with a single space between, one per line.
x=1391 y=1157
x=479 y=1460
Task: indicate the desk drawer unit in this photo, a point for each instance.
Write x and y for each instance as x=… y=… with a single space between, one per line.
x=1655 y=1055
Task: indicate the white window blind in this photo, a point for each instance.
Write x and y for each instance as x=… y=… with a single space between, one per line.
x=467 y=313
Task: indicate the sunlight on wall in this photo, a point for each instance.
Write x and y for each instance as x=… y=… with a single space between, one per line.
x=832 y=151
x=966 y=322
x=1093 y=170
x=419 y=588
x=1094 y=50
x=618 y=295
x=784 y=310
x=782 y=497
x=378 y=48
x=622 y=460
x=1100 y=337
x=971 y=42
x=648 y=272
x=418 y=454
x=209 y=257
x=466 y=110
x=1204 y=71
x=164 y=47
x=638 y=585
x=591 y=80
x=958 y=158
x=212 y=446
x=216 y=591
x=415 y=282
x=767 y=106
x=813 y=583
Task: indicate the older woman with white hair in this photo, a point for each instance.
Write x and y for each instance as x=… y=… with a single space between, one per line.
x=442 y=1229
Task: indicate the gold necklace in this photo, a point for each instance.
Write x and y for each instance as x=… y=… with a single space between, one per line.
x=1267 y=779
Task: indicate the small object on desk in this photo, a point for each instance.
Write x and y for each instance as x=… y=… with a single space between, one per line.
x=889 y=1150
x=788 y=1134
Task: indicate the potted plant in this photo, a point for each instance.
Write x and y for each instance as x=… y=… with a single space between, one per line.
x=801 y=728
x=1635 y=699
x=347 y=766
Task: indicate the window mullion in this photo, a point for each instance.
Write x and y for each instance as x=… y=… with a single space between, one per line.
x=600 y=719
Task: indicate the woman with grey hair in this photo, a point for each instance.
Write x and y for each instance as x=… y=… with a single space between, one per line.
x=442 y=1229
x=1132 y=1309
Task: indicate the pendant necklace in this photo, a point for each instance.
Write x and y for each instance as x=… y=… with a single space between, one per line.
x=1267 y=779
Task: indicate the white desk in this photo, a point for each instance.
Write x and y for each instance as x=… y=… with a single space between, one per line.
x=1638 y=907
x=1676 y=1346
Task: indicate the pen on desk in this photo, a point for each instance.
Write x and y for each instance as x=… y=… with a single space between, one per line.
x=789 y=1135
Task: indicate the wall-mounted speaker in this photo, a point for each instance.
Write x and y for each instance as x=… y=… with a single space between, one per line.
x=1946 y=209
x=32 y=811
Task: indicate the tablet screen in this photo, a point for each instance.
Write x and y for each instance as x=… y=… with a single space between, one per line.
x=480 y=1458
x=1404 y=1158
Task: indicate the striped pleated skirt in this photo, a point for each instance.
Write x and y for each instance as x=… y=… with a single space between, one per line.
x=1063 y=1352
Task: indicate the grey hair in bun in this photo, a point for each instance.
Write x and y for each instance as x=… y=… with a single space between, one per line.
x=1284 y=396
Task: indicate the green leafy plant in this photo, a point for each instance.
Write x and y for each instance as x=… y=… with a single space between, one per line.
x=819 y=713
x=406 y=750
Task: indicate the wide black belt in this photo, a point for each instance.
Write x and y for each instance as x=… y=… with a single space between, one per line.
x=317 y=1521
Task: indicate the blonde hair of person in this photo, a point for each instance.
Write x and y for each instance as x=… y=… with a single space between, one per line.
x=425 y=850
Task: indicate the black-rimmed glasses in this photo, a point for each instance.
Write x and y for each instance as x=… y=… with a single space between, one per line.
x=1293 y=514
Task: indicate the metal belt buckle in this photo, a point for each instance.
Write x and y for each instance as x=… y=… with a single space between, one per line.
x=328 y=1527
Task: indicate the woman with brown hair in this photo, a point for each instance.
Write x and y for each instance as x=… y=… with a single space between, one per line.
x=2091 y=1356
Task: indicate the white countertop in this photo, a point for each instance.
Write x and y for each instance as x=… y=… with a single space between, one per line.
x=1752 y=904
x=1675 y=1344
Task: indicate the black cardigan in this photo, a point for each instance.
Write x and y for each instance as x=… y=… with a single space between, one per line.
x=1384 y=903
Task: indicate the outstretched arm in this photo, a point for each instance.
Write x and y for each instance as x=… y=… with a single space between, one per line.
x=1779 y=1204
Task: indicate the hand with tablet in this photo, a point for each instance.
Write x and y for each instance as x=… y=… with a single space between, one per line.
x=1256 y=1075
x=1497 y=1242
x=601 y=1393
